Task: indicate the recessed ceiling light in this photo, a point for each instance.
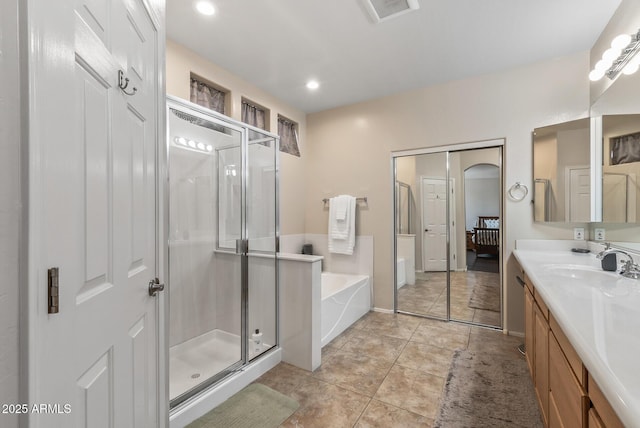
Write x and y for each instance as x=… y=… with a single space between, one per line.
x=313 y=84
x=205 y=8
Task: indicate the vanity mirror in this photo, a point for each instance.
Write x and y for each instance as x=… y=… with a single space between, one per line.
x=562 y=172
x=616 y=116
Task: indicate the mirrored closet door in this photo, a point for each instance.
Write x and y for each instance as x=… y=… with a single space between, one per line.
x=448 y=238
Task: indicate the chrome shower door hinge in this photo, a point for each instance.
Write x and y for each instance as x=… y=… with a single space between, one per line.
x=53 y=299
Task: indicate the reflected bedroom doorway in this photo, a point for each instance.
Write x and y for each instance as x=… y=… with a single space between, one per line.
x=447 y=228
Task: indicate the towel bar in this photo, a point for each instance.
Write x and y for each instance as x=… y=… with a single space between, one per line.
x=364 y=199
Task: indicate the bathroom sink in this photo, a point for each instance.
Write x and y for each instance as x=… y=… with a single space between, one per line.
x=581 y=272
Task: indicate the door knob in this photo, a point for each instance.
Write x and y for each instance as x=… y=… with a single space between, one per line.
x=426 y=230
x=155 y=286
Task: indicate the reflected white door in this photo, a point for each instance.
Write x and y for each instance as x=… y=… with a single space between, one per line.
x=614 y=198
x=93 y=196
x=579 y=195
x=434 y=222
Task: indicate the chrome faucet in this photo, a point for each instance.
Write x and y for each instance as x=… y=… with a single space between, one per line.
x=629 y=268
x=607 y=247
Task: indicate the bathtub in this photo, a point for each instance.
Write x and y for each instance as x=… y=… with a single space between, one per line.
x=345 y=298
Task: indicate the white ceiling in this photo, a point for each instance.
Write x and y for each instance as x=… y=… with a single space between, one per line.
x=278 y=45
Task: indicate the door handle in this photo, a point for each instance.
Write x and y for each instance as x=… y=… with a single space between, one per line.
x=155 y=286
x=426 y=230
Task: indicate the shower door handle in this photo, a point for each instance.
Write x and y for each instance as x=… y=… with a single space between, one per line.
x=155 y=287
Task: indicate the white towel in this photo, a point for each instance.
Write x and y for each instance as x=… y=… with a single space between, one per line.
x=342 y=224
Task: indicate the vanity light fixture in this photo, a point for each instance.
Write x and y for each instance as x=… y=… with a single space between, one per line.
x=619 y=58
x=205 y=8
x=313 y=84
x=192 y=145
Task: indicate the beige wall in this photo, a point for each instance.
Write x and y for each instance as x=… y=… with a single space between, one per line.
x=181 y=62
x=350 y=147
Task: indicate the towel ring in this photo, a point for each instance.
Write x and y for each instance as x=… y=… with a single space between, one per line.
x=518 y=191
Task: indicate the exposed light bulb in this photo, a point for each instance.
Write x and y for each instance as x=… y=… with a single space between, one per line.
x=596 y=75
x=313 y=84
x=181 y=140
x=632 y=66
x=621 y=41
x=192 y=144
x=209 y=148
x=611 y=54
x=603 y=65
x=201 y=146
x=205 y=8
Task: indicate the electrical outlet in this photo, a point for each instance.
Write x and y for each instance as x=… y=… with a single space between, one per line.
x=599 y=234
x=578 y=233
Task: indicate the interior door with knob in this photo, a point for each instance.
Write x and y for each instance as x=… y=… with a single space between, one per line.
x=94 y=360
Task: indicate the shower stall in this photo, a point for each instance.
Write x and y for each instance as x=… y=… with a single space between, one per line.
x=223 y=239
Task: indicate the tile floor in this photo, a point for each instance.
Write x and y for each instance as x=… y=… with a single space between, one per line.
x=387 y=370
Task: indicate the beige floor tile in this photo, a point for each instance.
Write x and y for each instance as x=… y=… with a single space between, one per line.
x=411 y=390
x=426 y=358
x=355 y=372
x=382 y=415
x=324 y=405
x=284 y=378
x=375 y=345
x=394 y=325
x=491 y=341
x=442 y=337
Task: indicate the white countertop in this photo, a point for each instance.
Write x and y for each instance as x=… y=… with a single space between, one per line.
x=599 y=313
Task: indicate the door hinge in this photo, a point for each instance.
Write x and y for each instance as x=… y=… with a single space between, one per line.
x=53 y=301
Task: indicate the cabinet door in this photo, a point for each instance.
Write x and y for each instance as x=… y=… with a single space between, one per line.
x=541 y=361
x=594 y=419
x=529 y=330
x=607 y=416
x=568 y=395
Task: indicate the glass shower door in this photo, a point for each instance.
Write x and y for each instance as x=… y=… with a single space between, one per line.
x=205 y=258
x=262 y=235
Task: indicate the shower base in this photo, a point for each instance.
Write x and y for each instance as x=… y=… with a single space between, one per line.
x=196 y=360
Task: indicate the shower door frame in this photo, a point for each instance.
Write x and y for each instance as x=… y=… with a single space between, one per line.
x=448 y=149
x=242 y=249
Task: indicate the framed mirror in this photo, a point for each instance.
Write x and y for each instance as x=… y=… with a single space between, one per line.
x=562 y=172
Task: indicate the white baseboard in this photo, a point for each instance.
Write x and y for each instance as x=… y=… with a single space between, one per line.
x=384 y=311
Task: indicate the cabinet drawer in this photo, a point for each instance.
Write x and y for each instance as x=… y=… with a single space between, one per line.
x=543 y=306
x=569 y=397
x=572 y=356
x=602 y=406
x=527 y=282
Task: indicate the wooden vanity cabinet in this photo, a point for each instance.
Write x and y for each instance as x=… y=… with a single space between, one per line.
x=601 y=413
x=567 y=394
x=537 y=345
x=541 y=361
x=528 y=325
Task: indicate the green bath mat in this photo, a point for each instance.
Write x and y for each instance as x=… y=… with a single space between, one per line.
x=256 y=406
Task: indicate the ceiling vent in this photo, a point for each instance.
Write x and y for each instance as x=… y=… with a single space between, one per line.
x=382 y=10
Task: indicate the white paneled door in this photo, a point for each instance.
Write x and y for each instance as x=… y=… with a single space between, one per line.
x=93 y=213
x=434 y=221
